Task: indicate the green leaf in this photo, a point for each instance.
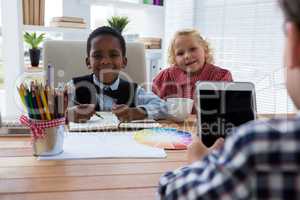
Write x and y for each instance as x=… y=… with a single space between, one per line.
x=33 y=40
x=118 y=22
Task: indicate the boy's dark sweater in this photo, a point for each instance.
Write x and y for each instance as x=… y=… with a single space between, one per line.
x=86 y=91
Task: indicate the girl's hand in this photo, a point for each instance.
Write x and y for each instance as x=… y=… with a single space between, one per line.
x=81 y=113
x=127 y=114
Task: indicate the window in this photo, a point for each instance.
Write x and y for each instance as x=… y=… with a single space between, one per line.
x=143 y=20
x=1 y=64
x=1 y=57
x=247 y=39
x=53 y=8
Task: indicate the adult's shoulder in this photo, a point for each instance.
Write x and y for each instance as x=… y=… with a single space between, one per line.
x=261 y=135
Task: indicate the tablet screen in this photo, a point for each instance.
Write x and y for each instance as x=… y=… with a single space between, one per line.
x=223 y=110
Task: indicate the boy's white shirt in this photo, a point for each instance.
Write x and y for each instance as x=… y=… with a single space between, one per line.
x=156 y=108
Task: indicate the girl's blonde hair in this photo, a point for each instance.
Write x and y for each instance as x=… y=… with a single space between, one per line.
x=192 y=33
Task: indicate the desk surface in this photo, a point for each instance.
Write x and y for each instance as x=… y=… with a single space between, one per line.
x=24 y=177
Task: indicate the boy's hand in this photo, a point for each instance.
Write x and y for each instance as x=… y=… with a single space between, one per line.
x=81 y=113
x=127 y=114
x=197 y=150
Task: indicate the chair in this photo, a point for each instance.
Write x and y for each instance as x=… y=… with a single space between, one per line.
x=68 y=59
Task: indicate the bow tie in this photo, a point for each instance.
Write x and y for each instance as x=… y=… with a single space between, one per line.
x=107 y=91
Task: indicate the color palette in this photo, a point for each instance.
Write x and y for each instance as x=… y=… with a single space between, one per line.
x=167 y=138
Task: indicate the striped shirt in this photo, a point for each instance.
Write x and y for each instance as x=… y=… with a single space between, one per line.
x=259 y=160
x=175 y=82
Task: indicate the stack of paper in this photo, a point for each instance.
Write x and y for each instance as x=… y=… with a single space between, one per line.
x=104 y=145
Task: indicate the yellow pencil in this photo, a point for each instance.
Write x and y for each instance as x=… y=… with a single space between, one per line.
x=45 y=104
x=21 y=93
x=39 y=103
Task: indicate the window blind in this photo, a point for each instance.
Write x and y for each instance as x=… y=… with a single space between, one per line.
x=247 y=38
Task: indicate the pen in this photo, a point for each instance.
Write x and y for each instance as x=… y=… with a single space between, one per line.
x=98 y=115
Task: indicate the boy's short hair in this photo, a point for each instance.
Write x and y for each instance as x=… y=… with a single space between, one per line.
x=106 y=30
x=291 y=10
x=193 y=33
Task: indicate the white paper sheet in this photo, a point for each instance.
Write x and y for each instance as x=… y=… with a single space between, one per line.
x=110 y=122
x=104 y=145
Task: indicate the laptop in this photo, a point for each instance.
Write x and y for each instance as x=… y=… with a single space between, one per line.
x=223 y=106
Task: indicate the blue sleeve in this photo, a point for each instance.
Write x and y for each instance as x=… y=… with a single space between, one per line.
x=156 y=108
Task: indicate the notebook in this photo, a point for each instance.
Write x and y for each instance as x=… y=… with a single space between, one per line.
x=104 y=145
x=109 y=121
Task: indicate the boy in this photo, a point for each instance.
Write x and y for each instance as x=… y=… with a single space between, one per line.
x=260 y=160
x=104 y=89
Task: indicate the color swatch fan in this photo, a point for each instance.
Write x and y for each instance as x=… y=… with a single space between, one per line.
x=167 y=138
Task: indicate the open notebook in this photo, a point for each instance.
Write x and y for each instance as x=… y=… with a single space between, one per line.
x=109 y=121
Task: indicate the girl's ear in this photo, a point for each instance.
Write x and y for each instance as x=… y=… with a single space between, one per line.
x=87 y=62
x=124 y=62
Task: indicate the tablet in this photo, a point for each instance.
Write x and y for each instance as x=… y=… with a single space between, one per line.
x=222 y=106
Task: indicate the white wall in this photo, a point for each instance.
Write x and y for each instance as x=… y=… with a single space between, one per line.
x=147 y=22
x=74 y=8
x=178 y=15
x=13 y=54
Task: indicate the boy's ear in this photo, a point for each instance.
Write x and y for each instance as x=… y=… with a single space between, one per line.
x=124 y=62
x=87 y=62
x=293 y=45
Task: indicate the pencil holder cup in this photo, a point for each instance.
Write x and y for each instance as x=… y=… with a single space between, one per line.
x=47 y=136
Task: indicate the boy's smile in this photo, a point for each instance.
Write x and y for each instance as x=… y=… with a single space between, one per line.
x=105 y=58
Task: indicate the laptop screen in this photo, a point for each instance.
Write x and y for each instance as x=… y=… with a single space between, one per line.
x=223 y=110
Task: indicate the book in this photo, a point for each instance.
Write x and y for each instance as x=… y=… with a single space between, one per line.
x=68 y=24
x=31 y=12
x=151 y=42
x=109 y=121
x=149 y=39
x=25 y=6
x=68 y=19
x=147 y=1
x=152 y=46
x=42 y=12
x=36 y=12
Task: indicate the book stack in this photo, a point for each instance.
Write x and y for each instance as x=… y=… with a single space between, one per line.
x=33 y=12
x=68 y=22
x=151 y=42
x=154 y=2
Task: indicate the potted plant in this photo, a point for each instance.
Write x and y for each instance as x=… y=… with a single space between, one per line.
x=118 y=22
x=34 y=40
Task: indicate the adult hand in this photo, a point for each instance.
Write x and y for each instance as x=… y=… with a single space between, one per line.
x=127 y=114
x=81 y=113
x=197 y=150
